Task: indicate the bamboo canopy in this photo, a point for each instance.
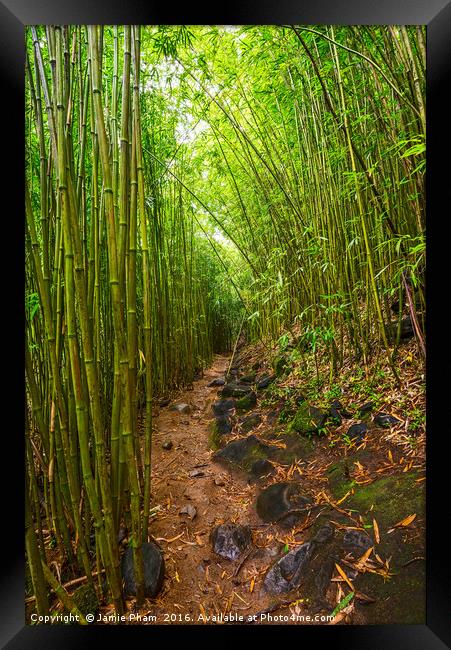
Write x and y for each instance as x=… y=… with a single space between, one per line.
x=183 y=183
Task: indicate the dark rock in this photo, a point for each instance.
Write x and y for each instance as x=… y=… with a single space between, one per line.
x=222 y=425
x=354 y=539
x=219 y=381
x=249 y=422
x=407 y=330
x=334 y=415
x=322 y=576
x=167 y=445
x=386 y=420
x=261 y=467
x=286 y=574
x=337 y=405
x=223 y=406
x=246 y=402
x=282 y=503
x=230 y=540
x=324 y=534
x=153 y=570
x=244 y=452
x=357 y=431
x=365 y=409
x=248 y=379
x=181 y=408
x=235 y=390
x=265 y=381
x=308 y=419
x=164 y=402
x=337 y=412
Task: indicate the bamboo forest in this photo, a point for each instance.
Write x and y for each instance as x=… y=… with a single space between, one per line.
x=225 y=324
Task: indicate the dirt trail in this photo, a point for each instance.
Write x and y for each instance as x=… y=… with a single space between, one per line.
x=196 y=582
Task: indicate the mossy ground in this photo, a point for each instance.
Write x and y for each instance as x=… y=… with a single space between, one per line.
x=85 y=599
x=389 y=500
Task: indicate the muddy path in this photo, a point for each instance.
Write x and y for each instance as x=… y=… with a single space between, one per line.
x=192 y=493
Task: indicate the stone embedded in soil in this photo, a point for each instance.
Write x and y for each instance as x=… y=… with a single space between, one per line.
x=357 y=431
x=386 y=420
x=167 y=445
x=354 y=539
x=188 y=510
x=181 y=408
x=249 y=422
x=282 y=503
x=164 y=402
x=324 y=534
x=243 y=452
x=230 y=540
x=223 y=406
x=365 y=409
x=308 y=419
x=334 y=415
x=265 y=381
x=153 y=570
x=196 y=473
x=235 y=390
x=222 y=425
x=246 y=402
x=248 y=379
x=286 y=574
x=219 y=381
x=336 y=404
x=407 y=329
x=261 y=467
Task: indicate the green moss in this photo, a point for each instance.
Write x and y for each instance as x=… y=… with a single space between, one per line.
x=214 y=438
x=280 y=365
x=85 y=598
x=392 y=498
x=400 y=599
x=389 y=498
x=216 y=434
x=248 y=379
x=307 y=420
x=245 y=403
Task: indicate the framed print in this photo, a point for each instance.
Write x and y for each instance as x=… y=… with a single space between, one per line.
x=233 y=417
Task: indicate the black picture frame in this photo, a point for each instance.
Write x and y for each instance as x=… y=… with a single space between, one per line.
x=436 y=14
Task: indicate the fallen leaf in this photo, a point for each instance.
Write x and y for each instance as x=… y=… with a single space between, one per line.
x=376 y=532
x=405 y=522
x=344 y=576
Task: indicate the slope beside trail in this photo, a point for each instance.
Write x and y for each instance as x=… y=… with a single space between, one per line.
x=201 y=587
